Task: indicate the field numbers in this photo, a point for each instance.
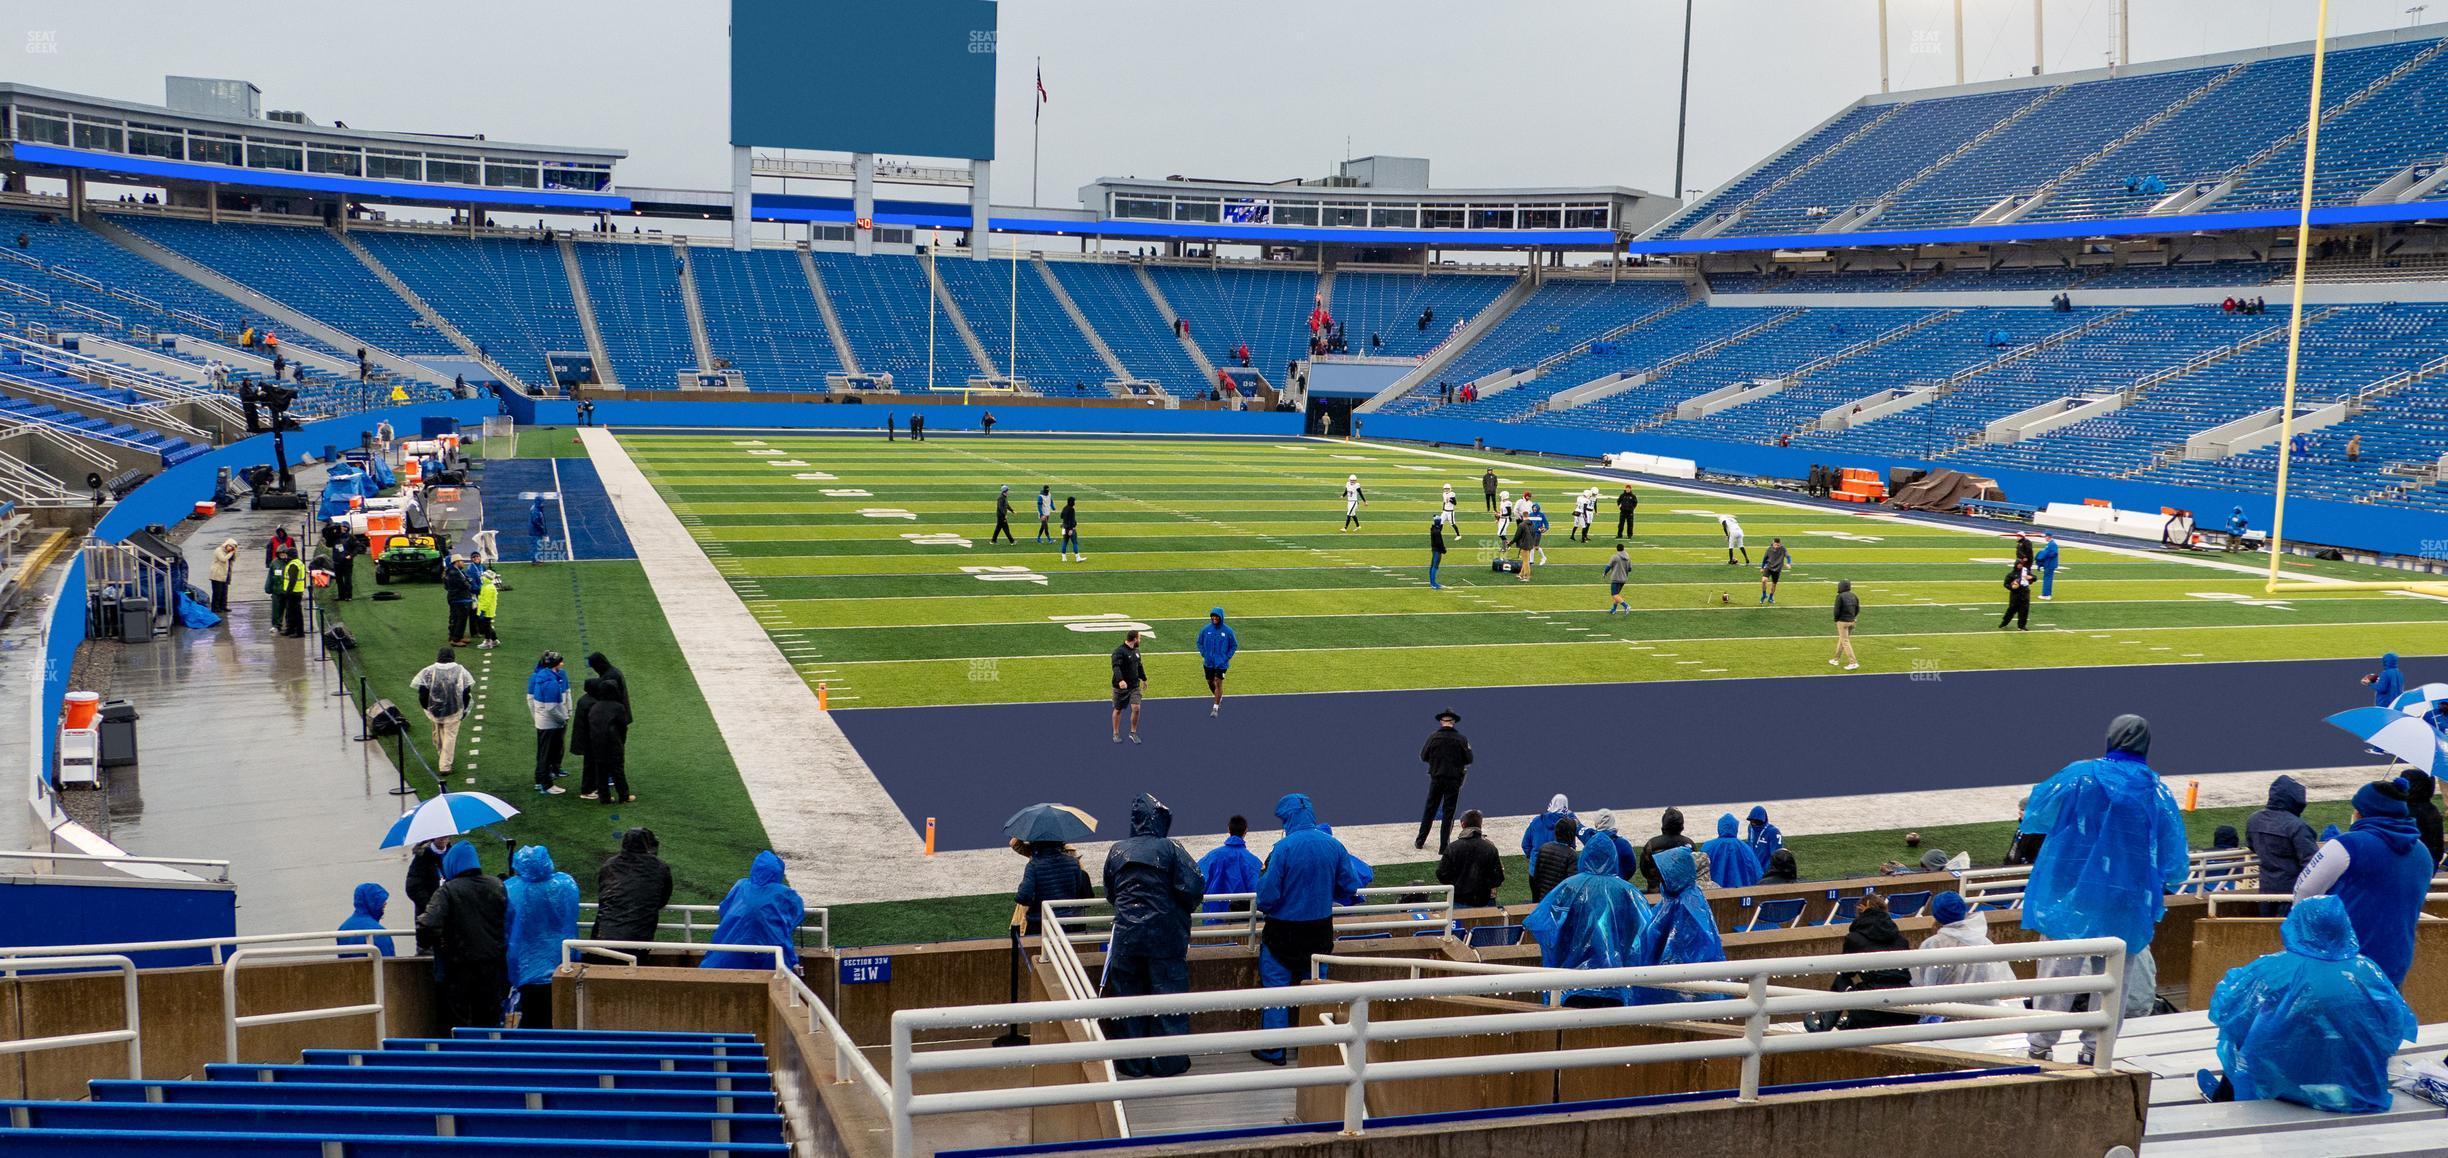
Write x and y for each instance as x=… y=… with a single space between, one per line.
x=767 y=453
x=1846 y=536
x=935 y=539
x=2241 y=600
x=846 y=493
x=785 y=462
x=1110 y=621
x=888 y=513
x=1005 y=575
x=814 y=476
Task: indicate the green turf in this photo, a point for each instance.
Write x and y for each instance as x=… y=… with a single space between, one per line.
x=687 y=789
x=1829 y=856
x=888 y=590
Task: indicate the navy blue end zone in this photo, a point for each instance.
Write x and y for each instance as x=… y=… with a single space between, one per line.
x=593 y=527
x=1632 y=745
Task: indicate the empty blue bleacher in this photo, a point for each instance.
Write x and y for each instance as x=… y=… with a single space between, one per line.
x=634 y=289
x=1109 y=295
x=1052 y=353
x=1388 y=305
x=761 y=314
x=510 y=297
x=303 y=267
x=1878 y=161
x=524 y=1094
x=1230 y=305
x=883 y=303
x=1560 y=314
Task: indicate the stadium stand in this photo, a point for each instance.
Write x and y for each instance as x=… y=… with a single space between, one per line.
x=1109 y=295
x=1388 y=305
x=761 y=314
x=303 y=267
x=1053 y=356
x=1559 y=315
x=511 y=297
x=883 y=303
x=1227 y=306
x=635 y=291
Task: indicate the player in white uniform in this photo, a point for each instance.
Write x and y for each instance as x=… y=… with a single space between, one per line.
x=1733 y=538
x=1448 y=514
x=1504 y=516
x=1581 y=517
x=1353 y=499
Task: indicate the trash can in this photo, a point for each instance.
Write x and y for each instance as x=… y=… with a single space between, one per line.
x=118 y=733
x=135 y=619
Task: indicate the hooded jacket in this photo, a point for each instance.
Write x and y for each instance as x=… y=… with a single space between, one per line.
x=1542 y=828
x=2113 y=845
x=1307 y=869
x=760 y=910
x=1229 y=867
x=616 y=685
x=1848 y=605
x=2422 y=805
x=1153 y=886
x=1216 y=641
x=543 y=912
x=580 y=713
x=631 y=889
x=548 y=700
x=1670 y=835
x=1970 y=927
x=2386 y=874
x=2280 y=841
x=2389 y=683
x=1471 y=865
x=224 y=560
x=1681 y=930
x=1627 y=858
x=467 y=912
x=1874 y=931
x=1591 y=920
x=367 y=913
x=1732 y=863
x=1765 y=838
x=2314 y=1024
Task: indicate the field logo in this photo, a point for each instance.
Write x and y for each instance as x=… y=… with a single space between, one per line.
x=1110 y=621
x=984 y=671
x=935 y=539
x=1925 y=671
x=2241 y=600
x=888 y=513
x=1005 y=575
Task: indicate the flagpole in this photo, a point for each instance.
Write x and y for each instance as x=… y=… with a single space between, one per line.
x=1036 y=130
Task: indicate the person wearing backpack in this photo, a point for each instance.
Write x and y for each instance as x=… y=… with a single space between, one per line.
x=442 y=690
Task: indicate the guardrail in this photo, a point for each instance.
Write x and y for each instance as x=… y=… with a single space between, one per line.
x=132 y=1035
x=818 y=922
x=2212 y=870
x=2435 y=897
x=232 y=1021
x=1753 y=1005
x=221 y=867
x=626 y=953
x=218 y=945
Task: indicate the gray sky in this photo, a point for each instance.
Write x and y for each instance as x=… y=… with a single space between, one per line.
x=1556 y=92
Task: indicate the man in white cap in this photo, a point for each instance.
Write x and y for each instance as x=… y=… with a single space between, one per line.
x=1353 y=500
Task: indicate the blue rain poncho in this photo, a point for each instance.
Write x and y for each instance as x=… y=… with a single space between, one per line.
x=2389 y=682
x=1229 y=868
x=1542 y=829
x=761 y=910
x=1361 y=871
x=1591 y=921
x=2314 y=1024
x=1733 y=864
x=543 y=913
x=1681 y=930
x=368 y=913
x=1153 y=885
x=2115 y=845
x=1307 y=869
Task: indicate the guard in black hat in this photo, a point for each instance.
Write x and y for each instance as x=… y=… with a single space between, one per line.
x=1448 y=756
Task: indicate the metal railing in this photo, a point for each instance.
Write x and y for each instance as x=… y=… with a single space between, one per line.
x=817 y=923
x=1081 y=923
x=2435 y=897
x=232 y=1021
x=132 y=1035
x=1750 y=1001
x=219 y=946
x=118 y=860
x=626 y=953
x=2212 y=870
x=1417 y=966
x=849 y=1065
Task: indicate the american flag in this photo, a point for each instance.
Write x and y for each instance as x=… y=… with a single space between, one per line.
x=1042 y=98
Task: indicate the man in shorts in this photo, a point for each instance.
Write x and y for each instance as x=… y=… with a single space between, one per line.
x=1618 y=569
x=1773 y=563
x=1129 y=682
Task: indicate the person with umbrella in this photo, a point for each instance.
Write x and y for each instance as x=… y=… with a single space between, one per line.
x=468 y=915
x=1043 y=833
x=1153 y=886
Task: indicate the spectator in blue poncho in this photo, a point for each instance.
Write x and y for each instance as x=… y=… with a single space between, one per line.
x=2107 y=844
x=1591 y=921
x=1732 y=863
x=760 y=910
x=1681 y=930
x=1304 y=874
x=1361 y=872
x=2388 y=683
x=543 y=913
x=1542 y=827
x=1764 y=838
x=368 y=914
x=2381 y=871
x=1230 y=868
x=2314 y=1024
x=1603 y=824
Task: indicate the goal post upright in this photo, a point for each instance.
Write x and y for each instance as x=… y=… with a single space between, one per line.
x=2295 y=308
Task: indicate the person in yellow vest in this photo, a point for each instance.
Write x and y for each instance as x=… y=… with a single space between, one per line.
x=488 y=603
x=293 y=594
x=399 y=393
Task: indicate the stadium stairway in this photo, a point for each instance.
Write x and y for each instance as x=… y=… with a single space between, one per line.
x=516 y=1093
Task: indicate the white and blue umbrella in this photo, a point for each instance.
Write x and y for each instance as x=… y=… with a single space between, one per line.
x=2406 y=737
x=2418 y=701
x=449 y=814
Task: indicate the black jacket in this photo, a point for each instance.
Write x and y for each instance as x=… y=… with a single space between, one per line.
x=1128 y=667
x=1447 y=754
x=469 y=912
x=424 y=880
x=1487 y=482
x=618 y=684
x=1848 y=605
x=2425 y=809
x=1874 y=932
x=2280 y=841
x=1626 y=502
x=1436 y=536
x=455 y=587
x=1153 y=884
x=1471 y=865
x=577 y=726
x=607 y=732
x=1670 y=835
x=1052 y=875
x=631 y=889
x=1555 y=861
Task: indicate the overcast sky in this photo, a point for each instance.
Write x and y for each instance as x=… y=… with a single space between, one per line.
x=1551 y=92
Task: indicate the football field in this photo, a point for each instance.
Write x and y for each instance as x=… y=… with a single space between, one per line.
x=869 y=564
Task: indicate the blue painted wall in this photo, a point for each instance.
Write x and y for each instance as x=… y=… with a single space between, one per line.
x=58 y=913
x=941 y=418
x=2308 y=520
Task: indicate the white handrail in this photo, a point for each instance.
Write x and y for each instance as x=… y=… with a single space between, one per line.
x=575 y=946
x=2434 y=897
x=231 y=1022
x=1755 y=1007
x=120 y=858
x=216 y=944
x=849 y=1065
x=133 y=1035
x=2210 y=869
x=816 y=921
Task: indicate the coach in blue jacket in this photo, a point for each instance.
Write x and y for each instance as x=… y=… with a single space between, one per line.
x=1216 y=645
x=1305 y=871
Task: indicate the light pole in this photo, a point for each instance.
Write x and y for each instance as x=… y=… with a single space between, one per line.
x=1683 y=96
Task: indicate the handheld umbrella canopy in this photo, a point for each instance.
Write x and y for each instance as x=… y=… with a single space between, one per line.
x=1043 y=822
x=2406 y=737
x=449 y=814
x=2419 y=701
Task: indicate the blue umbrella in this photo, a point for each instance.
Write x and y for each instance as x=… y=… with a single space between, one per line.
x=1040 y=822
x=449 y=814
x=2406 y=737
x=2418 y=701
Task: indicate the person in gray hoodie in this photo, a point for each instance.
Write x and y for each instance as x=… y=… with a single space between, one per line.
x=2280 y=840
